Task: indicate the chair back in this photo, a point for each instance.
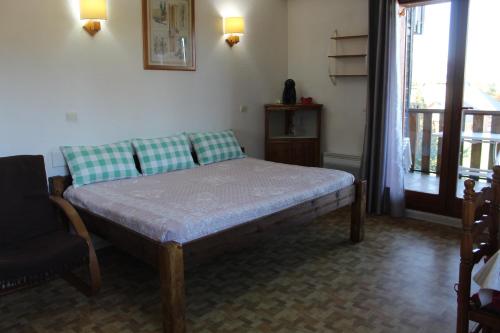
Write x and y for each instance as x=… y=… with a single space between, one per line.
x=25 y=208
x=480 y=222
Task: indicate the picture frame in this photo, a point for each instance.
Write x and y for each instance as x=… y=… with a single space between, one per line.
x=169 y=35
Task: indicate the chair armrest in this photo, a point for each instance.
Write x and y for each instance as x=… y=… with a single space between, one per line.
x=77 y=223
x=73 y=216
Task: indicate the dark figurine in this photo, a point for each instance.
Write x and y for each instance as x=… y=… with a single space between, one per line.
x=289 y=94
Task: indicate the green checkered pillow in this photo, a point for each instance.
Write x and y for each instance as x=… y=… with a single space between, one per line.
x=212 y=147
x=164 y=154
x=92 y=164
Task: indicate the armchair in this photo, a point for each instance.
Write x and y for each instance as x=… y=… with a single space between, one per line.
x=37 y=242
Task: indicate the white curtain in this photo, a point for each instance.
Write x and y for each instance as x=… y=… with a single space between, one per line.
x=395 y=170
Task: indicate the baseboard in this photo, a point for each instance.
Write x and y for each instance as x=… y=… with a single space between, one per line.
x=434 y=218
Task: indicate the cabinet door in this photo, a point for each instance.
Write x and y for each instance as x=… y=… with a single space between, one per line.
x=305 y=153
x=280 y=152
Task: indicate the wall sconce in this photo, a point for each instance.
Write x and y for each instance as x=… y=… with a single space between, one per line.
x=93 y=11
x=234 y=27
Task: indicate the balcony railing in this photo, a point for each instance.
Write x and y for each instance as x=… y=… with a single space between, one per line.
x=479 y=147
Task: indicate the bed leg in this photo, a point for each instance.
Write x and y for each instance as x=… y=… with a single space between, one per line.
x=358 y=212
x=172 y=288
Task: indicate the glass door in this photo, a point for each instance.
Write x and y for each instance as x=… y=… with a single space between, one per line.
x=426 y=54
x=427 y=29
x=480 y=105
x=452 y=116
x=452 y=100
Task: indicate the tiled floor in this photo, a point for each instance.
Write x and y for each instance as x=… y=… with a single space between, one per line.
x=309 y=279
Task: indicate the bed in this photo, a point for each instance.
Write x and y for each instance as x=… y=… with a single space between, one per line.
x=192 y=215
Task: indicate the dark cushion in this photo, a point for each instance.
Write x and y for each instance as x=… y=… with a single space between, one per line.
x=25 y=208
x=40 y=257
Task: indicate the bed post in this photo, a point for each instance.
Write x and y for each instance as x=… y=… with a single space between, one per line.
x=58 y=184
x=358 y=212
x=171 y=264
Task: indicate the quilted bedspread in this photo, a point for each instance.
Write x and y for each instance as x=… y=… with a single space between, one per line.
x=186 y=205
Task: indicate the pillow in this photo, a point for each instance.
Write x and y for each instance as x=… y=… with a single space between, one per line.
x=212 y=147
x=92 y=164
x=164 y=154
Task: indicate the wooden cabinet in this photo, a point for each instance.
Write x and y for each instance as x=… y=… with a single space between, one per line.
x=293 y=134
x=279 y=151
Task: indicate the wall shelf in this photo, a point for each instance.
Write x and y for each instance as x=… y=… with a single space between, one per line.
x=348 y=56
x=335 y=37
x=348 y=53
x=348 y=75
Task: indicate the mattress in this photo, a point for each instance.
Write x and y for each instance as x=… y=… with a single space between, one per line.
x=186 y=205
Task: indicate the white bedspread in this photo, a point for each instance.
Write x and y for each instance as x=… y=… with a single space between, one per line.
x=186 y=205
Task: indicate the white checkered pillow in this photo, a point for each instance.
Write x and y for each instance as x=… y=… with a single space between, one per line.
x=92 y=164
x=212 y=147
x=164 y=154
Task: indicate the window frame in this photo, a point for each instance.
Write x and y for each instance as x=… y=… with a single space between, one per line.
x=414 y=3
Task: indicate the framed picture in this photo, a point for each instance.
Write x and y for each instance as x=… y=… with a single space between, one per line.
x=169 y=34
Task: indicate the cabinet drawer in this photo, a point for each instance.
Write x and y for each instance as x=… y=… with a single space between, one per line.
x=298 y=152
x=305 y=153
x=279 y=151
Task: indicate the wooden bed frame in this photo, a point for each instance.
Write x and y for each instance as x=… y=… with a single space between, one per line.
x=169 y=257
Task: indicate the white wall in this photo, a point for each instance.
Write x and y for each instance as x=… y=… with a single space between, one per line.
x=49 y=66
x=311 y=23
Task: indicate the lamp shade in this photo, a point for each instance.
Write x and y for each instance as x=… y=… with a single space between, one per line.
x=234 y=26
x=93 y=10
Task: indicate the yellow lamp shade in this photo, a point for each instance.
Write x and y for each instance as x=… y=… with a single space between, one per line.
x=93 y=10
x=234 y=26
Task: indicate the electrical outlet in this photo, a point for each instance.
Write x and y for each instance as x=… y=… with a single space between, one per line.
x=58 y=160
x=71 y=117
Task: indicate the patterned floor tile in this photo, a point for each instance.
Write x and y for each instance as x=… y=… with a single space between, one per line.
x=309 y=279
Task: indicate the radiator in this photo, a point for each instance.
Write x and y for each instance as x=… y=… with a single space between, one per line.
x=349 y=163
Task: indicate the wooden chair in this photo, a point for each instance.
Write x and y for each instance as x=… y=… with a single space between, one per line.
x=36 y=243
x=480 y=214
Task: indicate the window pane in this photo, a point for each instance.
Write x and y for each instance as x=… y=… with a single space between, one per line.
x=480 y=149
x=482 y=72
x=429 y=35
x=426 y=59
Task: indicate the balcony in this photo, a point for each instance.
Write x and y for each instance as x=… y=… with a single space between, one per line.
x=479 y=150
